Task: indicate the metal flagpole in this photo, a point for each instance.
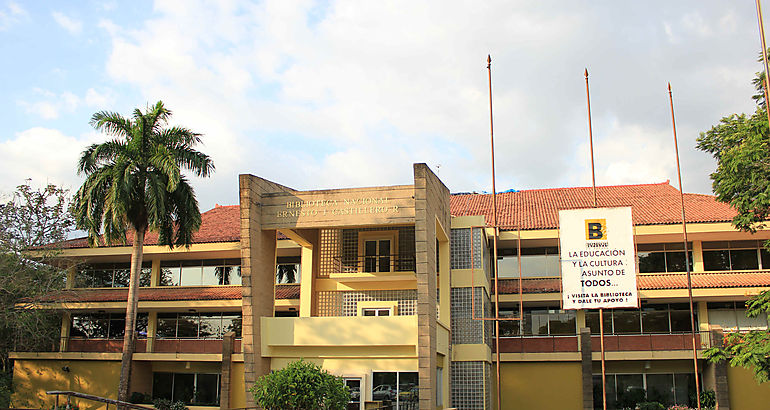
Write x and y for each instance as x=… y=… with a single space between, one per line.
x=494 y=237
x=764 y=58
x=684 y=239
x=596 y=204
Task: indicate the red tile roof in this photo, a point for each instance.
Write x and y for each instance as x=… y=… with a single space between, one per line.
x=146 y=294
x=221 y=224
x=163 y=294
x=653 y=282
x=539 y=208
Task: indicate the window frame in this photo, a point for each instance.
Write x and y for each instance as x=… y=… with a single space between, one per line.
x=365 y=236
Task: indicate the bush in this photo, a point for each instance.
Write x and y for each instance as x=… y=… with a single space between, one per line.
x=708 y=399
x=301 y=386
x=650 y=405
x=166 y=404
x=140 y=398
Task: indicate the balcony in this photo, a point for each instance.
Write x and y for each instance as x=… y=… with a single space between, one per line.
x=205 y=346
x=381 y=267
x=104 y=345
x=612 y=343
x=390 y=334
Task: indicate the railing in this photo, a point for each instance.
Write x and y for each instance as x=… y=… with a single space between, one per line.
x=612 y=343
x=104 y=345
x=160 y=346
x=188 y=346
x=375 y=263
x=71 y=394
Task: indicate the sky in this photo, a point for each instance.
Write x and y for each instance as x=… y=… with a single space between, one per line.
x=335 y=94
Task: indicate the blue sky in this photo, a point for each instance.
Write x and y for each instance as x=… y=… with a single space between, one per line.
x=350 y=93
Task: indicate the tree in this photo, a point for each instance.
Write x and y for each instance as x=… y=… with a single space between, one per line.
x=30 y=220
x=301 y=386
x=134 y=183
x=741 y=146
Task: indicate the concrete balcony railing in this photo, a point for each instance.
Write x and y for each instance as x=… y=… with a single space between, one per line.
x=350 y=332
x=213 y=346
x=612 y=343
x=104 y=345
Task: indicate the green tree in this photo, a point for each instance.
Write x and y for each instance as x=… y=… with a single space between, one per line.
x=301 y=386
x=741 y=145
x=32 y=222
x=134 y=183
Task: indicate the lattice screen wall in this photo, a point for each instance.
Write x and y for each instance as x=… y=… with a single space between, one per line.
x=339 y=249
x=345 y=303
x=470 y=385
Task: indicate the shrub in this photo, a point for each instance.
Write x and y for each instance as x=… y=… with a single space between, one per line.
x=301 y=386
x=166 y=404
x=650 y=405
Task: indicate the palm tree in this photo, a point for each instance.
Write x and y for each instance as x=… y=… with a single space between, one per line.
x=134 y=184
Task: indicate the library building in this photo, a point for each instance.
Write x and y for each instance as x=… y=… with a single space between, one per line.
x=392 y=288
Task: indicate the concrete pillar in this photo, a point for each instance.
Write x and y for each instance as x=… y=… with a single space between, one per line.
x=697 y=256
x=66 y=325
x=720 y=373
x=227 y=364
x=155 y=275
x=587 y=367
x=152 y=327
x=71 y=272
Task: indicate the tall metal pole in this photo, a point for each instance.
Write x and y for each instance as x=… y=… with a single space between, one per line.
x=596 y=204
x=686 y=258
x=764 y=58
x=494 y=237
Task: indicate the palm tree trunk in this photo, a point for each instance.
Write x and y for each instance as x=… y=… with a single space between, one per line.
x=133 y=298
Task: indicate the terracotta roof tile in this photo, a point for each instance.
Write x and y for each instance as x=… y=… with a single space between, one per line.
x=539 y=208
x=146 y=294
x=287 y=291
x=653 y=282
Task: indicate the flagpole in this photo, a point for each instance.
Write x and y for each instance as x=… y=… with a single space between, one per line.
x=494 y=237
x=596 y=204
x=764 y=58
x=686 y=258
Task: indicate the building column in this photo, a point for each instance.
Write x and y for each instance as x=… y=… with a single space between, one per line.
x=721 y=387
x=66 y=326
x=586 y=365
x=155 y=275
x=152 y=327
x=227 y=364
x=697 y=256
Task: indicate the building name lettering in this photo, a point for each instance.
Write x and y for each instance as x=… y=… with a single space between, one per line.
x=335 y=207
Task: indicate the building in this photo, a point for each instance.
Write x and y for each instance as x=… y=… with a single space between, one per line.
x=386 y=286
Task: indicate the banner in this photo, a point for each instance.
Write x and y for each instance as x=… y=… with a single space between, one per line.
x=598 y=265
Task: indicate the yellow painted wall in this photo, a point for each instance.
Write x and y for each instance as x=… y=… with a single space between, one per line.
x=237 y=390
x=32 y=378
x=534 y=386
x=745 y=393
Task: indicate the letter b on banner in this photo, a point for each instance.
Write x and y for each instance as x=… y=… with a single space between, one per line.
x=596 y=229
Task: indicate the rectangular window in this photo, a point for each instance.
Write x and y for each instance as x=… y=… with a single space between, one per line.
x=376 y=312
x=287 y=269
x=354 y=386
x=105 y=325
x=376 y=250
x=198 y=326
x=197 y=389
x=110 y=275
x=208 y=272
x=626 y=390
x=397 y=389
x=733 y=255
x=535 y=262
x=731 y=316
x=663 y=257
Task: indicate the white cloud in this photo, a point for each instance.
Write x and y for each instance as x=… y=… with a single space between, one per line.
x=42 y=154
x=11 y=14
x=52 y=105
x=345 y=93
x=98 y=99
x=72 y=25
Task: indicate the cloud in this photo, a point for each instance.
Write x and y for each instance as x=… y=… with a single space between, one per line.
x=52 y=104
x=73 y=26
x=342 y=94
x=10 y=15
x=98 y=99
x=42 y=154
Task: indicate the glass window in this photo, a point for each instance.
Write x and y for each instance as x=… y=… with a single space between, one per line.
x=166 y=326
x=592 y=321
x=231 y=323
x=684 y=387
x=354 y=386
x=187 y=325
x=212 y=274
x=375 y=312
x=397 y=390
x=652 y=262
x=629 y=389
x=210 y=326
x=625 y=321
x=184 y=387
x=207 y=390
x=535 y=322
x=170 y=273
x=562 y=322
x=192 y=272
x=744 y=259
x=660 y=388
x=716 y=260
x=655 y=319
x=680 y=320
x=162 y=385
x=121 y=276
x=191 y=388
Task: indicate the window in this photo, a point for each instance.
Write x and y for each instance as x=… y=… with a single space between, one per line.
x=626 y=390
x=287 y=269
x=110 y=275
x=535 y=262
x=198 y=326
x=734 y=255
x=650 y=319
x=376 y=312
x=731 y=316
x=539 y=322
x=210 y=272
x=377 y=250
x=105 y=326
x=396 y=390
x=200 y=389
x=663 y=257
x=354 y=385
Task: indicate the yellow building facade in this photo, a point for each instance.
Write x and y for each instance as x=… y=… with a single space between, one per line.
x=387 y=286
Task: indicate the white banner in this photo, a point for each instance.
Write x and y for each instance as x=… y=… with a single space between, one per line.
x=598 y=265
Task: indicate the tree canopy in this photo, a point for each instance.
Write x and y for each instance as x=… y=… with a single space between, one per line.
x=741 y=145
x=301 y=386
